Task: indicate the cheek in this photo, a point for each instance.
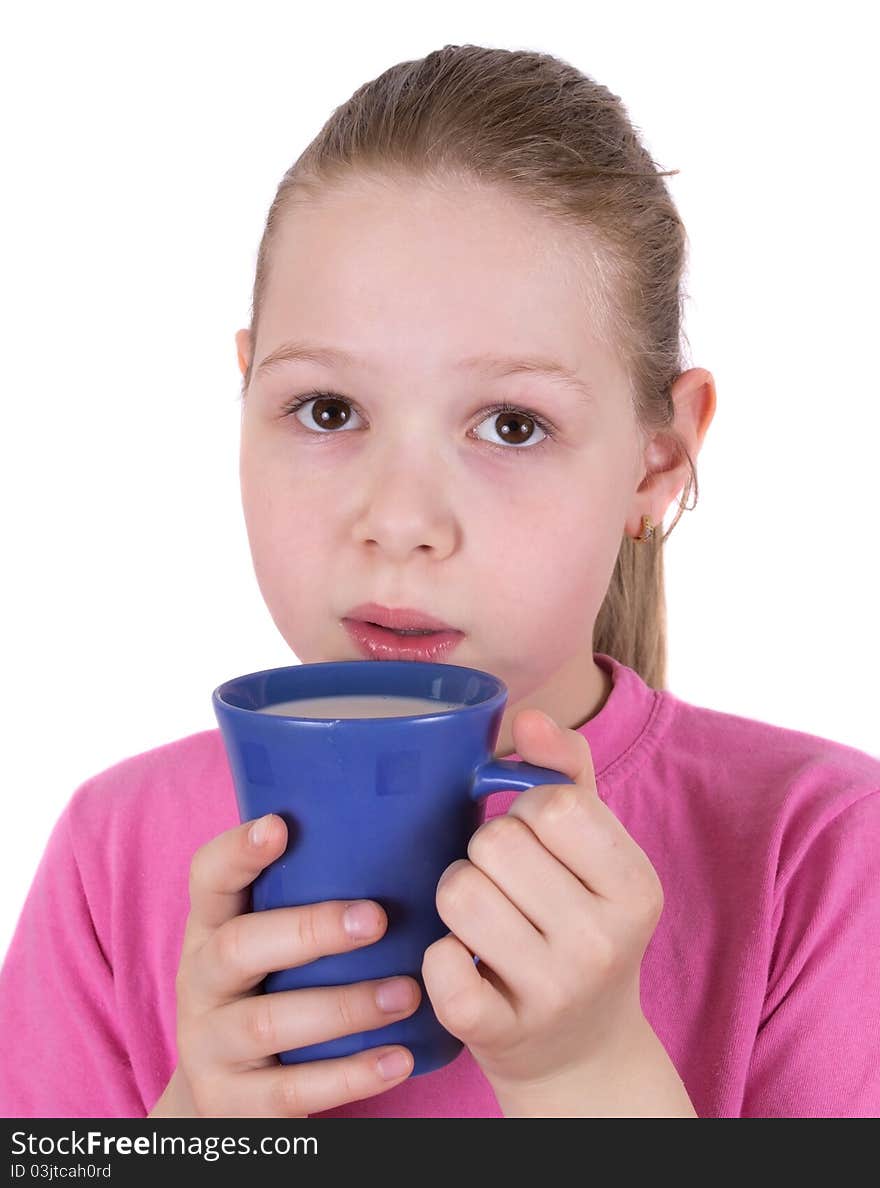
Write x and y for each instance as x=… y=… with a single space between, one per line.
x=286 y=531
x=572 y=519
x=565 y=575
x=561 y=549
x=546 y=572
x=586 y=544
x=270 y=488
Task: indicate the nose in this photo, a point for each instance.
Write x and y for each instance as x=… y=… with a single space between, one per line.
x=408 y=507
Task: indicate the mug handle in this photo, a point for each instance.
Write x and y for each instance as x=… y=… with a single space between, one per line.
x=498 y=775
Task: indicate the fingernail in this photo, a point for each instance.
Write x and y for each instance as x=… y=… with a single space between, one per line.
x=259 y=831
x=393 y=996
x=360 y=919
x=395 y=1064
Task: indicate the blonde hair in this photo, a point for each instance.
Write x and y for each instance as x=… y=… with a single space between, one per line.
x=537 y=128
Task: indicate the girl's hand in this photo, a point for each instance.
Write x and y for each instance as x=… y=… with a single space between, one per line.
x=559 y=903
x=228 y=1033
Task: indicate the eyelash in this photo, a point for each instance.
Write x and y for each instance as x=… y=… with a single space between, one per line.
x=550 y=434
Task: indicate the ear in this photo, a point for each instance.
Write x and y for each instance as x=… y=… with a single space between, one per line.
x=243 y=345
x=666 y=470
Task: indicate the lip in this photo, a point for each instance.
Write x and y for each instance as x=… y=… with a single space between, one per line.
x=402 y=619
x=380 y=643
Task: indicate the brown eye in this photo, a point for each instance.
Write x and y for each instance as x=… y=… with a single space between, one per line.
x=515 y=428
x=329 y=411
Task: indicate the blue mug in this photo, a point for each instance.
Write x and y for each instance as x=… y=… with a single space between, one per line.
x=375 y=807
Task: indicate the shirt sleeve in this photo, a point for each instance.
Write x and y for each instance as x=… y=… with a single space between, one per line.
x=62 y=1052
x=817 y=1051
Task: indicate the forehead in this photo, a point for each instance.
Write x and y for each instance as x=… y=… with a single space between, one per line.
x=443 y=271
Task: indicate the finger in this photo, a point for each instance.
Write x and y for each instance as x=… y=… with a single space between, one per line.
x=266 y=1024
x=465 y=1001
x=570 y=820
x=486 y=922
x=540 y=741
x=240 y=953
x=541 y=887
x=223 y=869
x=298 y=1090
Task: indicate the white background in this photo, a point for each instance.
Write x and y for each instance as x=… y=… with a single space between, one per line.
x=142 y=146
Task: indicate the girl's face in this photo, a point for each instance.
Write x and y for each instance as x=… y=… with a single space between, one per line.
x=417 y=500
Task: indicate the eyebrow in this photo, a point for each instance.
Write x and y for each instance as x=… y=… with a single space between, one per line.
x=499 y=366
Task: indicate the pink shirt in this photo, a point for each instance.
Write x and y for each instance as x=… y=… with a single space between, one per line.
x=761 y=979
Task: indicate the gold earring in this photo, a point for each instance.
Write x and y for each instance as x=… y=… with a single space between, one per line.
x=648 y=529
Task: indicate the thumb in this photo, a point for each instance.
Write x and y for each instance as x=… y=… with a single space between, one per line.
x=540 y=741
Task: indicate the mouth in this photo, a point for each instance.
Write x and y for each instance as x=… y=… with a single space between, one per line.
x=382 y=633
x=403 y=620
x=377 y=641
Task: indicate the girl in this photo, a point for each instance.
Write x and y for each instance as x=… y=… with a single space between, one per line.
x=463 y=393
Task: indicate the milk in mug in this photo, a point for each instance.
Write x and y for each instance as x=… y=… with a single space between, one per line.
x=359 y=705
